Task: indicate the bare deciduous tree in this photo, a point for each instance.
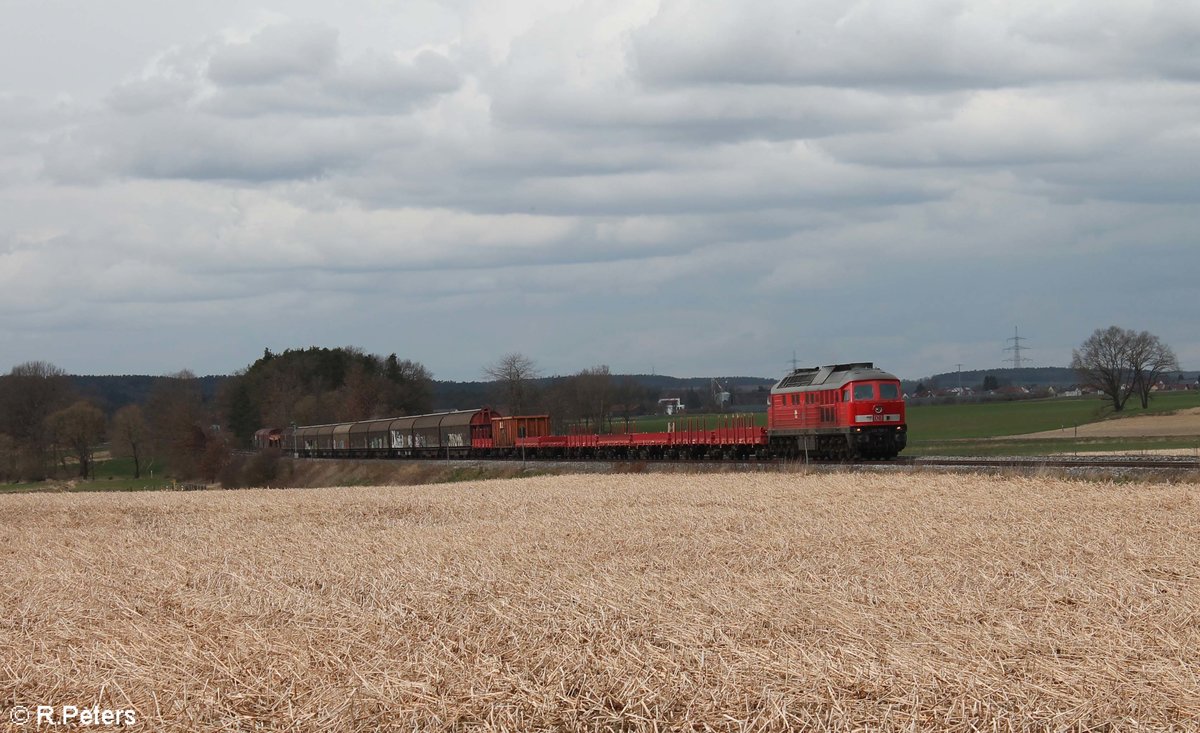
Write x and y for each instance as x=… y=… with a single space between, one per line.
x=1119 y=362
x=178 y=419
x=1103 y=363
x=8 y=458
x=130 y=436
x=361 y=395
x=629 y=397
x=594 y=393
x=513 y=374
x=1150 y=358
x=28 y=395
x=78 y=429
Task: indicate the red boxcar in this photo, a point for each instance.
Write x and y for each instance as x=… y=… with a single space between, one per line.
x=506 y=431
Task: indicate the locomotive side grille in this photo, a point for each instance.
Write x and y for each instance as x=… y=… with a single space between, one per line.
x=797 y=379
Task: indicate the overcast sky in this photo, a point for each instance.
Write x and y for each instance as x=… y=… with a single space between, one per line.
x=690 y=187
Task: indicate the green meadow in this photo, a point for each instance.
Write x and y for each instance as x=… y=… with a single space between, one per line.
x=114 y=474
x=971 y=428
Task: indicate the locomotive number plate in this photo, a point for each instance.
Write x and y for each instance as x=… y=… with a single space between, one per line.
x=891 y=417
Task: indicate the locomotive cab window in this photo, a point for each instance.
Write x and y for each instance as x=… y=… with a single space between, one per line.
x=889 y=391
x=864 y=392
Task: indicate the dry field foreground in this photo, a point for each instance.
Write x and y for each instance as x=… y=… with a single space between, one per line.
x=583 y=602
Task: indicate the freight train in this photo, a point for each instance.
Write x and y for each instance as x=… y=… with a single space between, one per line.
x=835 y=412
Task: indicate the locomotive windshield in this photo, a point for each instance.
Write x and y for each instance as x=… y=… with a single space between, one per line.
x=866 y=391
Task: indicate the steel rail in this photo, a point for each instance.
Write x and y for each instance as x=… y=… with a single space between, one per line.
x=1159 y=463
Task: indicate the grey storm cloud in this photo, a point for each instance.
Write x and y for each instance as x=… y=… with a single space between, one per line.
x=699 y=186
x=943 y=44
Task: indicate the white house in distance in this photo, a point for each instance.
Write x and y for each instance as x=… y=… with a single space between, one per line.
x=671 y=405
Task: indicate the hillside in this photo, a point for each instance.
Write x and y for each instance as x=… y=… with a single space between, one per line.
x=1057 y=377
x=462 y=395
x=112 y=392
x=1040 y=376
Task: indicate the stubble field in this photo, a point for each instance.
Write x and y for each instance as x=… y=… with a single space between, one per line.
x=729 y=602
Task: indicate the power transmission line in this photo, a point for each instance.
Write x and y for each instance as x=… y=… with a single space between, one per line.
x=1016 y=348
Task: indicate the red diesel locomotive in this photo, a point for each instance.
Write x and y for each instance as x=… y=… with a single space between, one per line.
x=841 y=411
x=837 y=411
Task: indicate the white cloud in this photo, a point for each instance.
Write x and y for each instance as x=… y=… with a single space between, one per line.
x=275 y=53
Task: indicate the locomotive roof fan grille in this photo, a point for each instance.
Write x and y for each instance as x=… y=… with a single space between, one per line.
x=805 y=377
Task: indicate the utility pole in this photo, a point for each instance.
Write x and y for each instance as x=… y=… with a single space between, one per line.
x=1016 y=348
x=959 y=380
x=795 y=361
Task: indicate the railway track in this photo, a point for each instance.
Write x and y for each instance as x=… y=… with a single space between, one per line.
x=1155 y=463
x=1139 y=463
x=1113 y=463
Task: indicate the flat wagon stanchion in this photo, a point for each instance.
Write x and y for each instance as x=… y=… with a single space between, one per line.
x=724 y=437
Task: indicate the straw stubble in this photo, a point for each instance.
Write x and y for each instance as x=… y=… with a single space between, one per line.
x=580 y=602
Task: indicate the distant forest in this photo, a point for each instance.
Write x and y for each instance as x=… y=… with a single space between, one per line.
x=112 y=392
x=1025 y=377
x=1057 y=377
x=51 y=422
x=194 y=423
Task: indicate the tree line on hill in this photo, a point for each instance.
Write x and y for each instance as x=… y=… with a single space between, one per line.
x=193 y=427
x=993 y=379
x=45 y=425
x=48 y=426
